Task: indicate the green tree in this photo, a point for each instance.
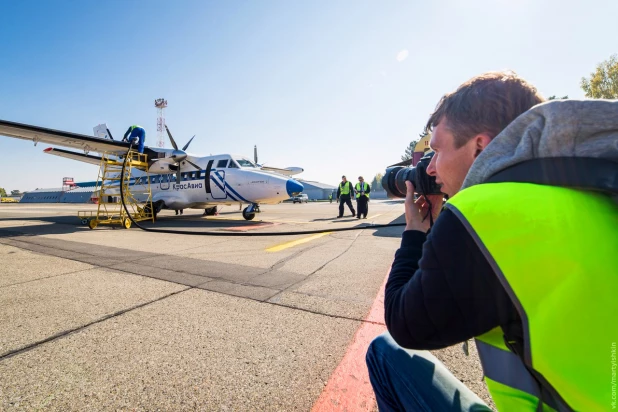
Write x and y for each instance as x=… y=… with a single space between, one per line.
x=15 y=193
x=410 y=149
x=376 y=183
x=2 y=192
x=603 y=82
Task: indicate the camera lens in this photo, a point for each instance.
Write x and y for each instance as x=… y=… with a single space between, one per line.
x=394 y=180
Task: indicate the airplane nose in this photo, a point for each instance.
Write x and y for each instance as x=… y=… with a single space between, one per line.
x=293 y=187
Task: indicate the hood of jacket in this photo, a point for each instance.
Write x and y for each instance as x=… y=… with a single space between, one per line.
x=558 y=128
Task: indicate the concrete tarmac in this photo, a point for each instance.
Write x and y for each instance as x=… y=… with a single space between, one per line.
x=117 y=319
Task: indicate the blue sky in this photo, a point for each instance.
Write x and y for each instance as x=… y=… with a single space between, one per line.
x=316 y=84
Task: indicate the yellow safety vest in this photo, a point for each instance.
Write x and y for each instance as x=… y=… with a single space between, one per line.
x=555 y=252
x=364 y=189
x=344 y=189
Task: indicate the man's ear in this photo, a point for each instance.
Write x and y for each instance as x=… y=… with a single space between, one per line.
x=481 y=141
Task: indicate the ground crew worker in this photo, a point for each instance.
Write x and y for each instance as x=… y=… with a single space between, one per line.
x=344 y=195
x=138 y=132
x=529 y=229
x=362 y=191
x=330 y=197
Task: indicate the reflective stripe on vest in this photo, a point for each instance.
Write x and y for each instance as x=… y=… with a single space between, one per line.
x=358 y=189
x=506 y=373
x=554 y=251
x=345 y=188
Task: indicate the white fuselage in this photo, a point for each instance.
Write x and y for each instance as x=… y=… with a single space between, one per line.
x=226 y=185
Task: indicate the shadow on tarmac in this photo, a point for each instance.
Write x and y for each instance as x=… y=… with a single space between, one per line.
x=392 y=231
x=56 y=225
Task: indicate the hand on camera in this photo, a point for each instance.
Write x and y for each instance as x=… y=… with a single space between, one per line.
x=417 y=217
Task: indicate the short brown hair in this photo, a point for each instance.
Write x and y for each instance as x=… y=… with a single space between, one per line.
x=484 y=104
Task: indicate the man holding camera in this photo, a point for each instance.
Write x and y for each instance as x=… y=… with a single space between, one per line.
x=522 y=257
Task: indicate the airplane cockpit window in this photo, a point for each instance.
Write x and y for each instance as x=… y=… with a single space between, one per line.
x=232 y=165
x=244 y=163
x=222 y=163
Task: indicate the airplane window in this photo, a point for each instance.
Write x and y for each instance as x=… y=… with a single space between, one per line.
x=222 y=163
x=232 y=165
x=244 y=163
x=198 y=174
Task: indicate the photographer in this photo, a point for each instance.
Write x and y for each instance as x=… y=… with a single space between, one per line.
x=522 y=258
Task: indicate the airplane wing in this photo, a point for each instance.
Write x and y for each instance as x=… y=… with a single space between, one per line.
x=288 y=171
x=95 y=160
x=61 y=138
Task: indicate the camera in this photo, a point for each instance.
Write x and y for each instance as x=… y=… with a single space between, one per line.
x=394 y=180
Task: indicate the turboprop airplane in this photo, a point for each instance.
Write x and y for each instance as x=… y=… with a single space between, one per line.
x=178 y=180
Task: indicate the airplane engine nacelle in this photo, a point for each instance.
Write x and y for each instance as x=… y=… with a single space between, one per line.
x=160 y=167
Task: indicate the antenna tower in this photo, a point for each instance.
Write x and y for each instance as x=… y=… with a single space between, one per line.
x=160 y=104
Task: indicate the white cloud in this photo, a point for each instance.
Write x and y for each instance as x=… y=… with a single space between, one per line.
x=402 y=55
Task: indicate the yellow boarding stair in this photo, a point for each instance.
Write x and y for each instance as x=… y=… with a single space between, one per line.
x=137 y=193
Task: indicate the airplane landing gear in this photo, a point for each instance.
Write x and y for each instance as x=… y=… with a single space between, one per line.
x=249 y=212
x=211 y=211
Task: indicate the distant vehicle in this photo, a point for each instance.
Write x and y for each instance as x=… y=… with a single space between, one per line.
x=8 y=200
x=300 y=198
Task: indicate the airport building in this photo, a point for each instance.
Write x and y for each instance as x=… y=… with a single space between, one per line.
x=317 y=190
x=57 y=195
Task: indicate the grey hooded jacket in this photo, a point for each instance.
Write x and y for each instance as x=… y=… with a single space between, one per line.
x=559 y=128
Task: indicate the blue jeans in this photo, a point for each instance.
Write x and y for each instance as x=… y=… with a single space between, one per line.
x=410 y=380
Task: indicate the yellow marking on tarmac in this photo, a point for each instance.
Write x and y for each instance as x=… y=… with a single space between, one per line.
x=374 y=216
x=296 y=242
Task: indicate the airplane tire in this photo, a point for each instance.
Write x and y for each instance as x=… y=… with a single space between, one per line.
x=246 y=215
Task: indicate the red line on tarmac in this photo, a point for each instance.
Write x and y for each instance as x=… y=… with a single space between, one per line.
x=251 y=227
x=348 y=388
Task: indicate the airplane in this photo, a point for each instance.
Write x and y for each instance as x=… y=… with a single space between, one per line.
x=179 y=180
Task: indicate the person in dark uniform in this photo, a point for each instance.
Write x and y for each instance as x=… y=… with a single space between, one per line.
x=362 y=190
x=344 y=195
x=138 y=132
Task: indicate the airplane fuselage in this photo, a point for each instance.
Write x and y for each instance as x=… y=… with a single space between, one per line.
x=225 y=185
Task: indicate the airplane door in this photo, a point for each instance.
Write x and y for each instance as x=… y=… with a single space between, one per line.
x=217 y=184
x=165 y=181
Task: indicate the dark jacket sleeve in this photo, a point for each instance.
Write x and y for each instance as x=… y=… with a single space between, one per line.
x=441 y=289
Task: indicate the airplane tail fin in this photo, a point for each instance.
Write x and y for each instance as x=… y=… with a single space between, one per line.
x=102 y=131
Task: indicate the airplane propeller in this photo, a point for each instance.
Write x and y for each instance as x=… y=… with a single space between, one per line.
x=179 y=155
